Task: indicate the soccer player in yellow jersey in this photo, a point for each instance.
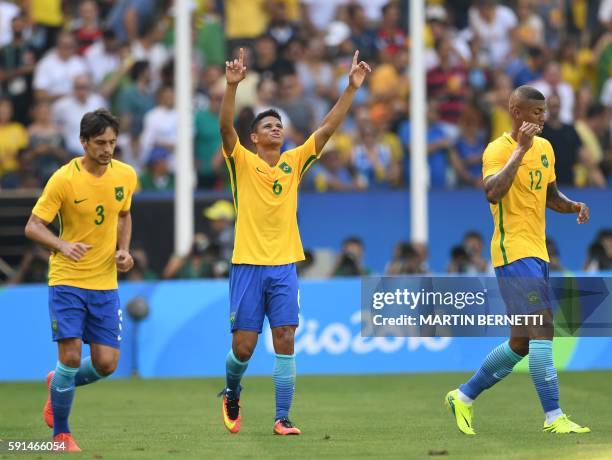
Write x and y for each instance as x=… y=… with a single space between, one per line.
x=520 y=183
x=263 y=279
x=91 y=195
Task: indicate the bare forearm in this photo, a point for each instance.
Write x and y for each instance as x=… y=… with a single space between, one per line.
x=124 y=232
x=41 y=234
x=497 y=186
x=226 y=115
x=336 y=115
x=558 y=202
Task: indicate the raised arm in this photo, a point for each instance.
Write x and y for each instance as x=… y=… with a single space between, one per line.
x=235 y=72
x=332 y=120
x=497 y=185
x=558 y=202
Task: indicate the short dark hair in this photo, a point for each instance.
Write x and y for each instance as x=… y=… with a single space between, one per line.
x=529 y=93
x=95 y=123
x=472 y=234
x=262 y=115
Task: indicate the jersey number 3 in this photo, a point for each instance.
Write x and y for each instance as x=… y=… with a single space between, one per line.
x=100 y=214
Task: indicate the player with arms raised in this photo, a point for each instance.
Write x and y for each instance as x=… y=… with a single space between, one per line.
x=263 y=279
x=91 y=195
x=520 y=183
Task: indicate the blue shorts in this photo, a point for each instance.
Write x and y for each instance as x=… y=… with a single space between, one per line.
x=524 y=285
x=87 y=314
x=260 y=290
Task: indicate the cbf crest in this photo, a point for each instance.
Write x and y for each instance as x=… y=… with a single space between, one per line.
x=119 y=193
x=544 y=160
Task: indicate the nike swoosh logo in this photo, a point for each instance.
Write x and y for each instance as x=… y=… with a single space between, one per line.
x=548 y=379
x=63 y=390
x=80 y=201
x=259 y=170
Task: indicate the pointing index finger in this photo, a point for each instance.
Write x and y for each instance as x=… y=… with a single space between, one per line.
x=355 y=57
x=241 y=55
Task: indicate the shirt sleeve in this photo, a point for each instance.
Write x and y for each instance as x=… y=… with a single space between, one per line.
x=237 y=151
x=130 y=192
x=492 y=161
x=50 y=202
x=307 y=155
x=551 y=155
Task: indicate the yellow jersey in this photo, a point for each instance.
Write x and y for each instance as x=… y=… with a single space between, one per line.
x=88 y=208
x=265 y=199
x=519 y=218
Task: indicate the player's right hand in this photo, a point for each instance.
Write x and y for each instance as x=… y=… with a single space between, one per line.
x=235 y=71
x=526 y=133
x=74 y=251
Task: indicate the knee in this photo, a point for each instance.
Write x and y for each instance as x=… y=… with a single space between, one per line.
x=243 y=351
x=105 y=367
x=71 y=358
x=284 y=338
x=519 y=345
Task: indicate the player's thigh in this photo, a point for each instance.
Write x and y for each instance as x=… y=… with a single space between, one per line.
x=104 y=358
x=282 y=296
x=247 y=308
x=103 y=325
x=67 y=311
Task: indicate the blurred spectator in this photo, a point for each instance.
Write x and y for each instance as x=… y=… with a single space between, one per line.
x=530 y=30
x=321 y=13
x=599 y=257
x=136 y=98
x=8 y=11
x=56 y=71
x=68 y=111
x=221 y=215
x=390 y=81
x=245 y=20
x=157 y=175
x=362 y=36
x=447 y=82
x=390 y=37
x=149 y=47
x=13 y=137
x=551 y=83
x=17 y=61
x=85 y=28
x=280 y=27
x=267 y=97
x=102 y=57
x=554 y=256
x=22 y=177
x=526 y=66
x=34 y=266
x=438 y=145
x=160 y=127
x=494 y=24
x=207 y=141
x=128 y=17
x=46 y=143
x=459 y=260
x=295 y=104
x=47 y=16
x=373 y=159
x=202 y=262
x=316 y=76
x=591 y=132
x=473 y=245
x=268 y=63
x=350 y=259
x=333 y=172
x=565 y=142
x=406 y=261
x=468 y=150
x=499 y=114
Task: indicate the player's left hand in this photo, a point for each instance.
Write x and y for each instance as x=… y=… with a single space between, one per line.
x=124 y=260
x=359 y=70
x=583 y=212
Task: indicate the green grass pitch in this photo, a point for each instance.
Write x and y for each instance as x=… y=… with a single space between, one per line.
x=381 y=416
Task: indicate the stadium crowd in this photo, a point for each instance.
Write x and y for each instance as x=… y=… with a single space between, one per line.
x=60 y=59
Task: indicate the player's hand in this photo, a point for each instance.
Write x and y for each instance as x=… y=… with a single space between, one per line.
x=584 y=213
x=235 y=71
x=74 y=251
x=526 y=133
x=124 y=260
x=358 y=72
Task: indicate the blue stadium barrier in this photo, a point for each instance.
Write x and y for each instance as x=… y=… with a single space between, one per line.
x=187 y=335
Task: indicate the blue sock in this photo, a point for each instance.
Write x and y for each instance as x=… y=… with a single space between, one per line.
x=234 y=370
x=544 y=374
x=284 y=384
x=62 y=393
x=87 y=373
x=497 y=365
